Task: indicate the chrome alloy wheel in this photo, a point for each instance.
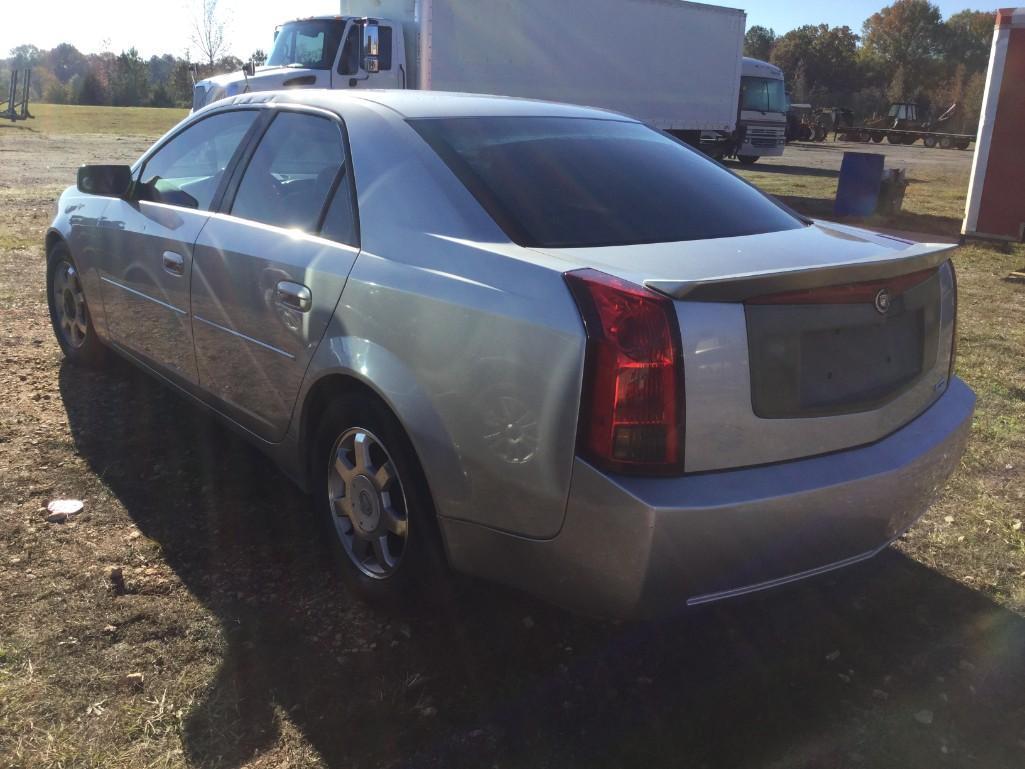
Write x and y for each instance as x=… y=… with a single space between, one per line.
x=368 y=504
x=69 y=303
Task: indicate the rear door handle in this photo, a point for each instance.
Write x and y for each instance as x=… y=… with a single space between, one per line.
x=294 y=296
x=174 y=263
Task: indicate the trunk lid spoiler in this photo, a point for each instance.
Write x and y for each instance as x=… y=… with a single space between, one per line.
x=737 y=287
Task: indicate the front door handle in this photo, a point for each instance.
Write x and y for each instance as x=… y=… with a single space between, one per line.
x=174 y=263
x=294 y=296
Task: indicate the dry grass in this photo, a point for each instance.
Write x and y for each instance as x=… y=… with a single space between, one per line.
x=253 y=657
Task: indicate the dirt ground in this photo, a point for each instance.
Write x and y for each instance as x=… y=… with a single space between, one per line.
x=252 y=655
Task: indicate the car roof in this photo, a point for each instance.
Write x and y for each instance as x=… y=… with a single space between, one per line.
x=428 y=104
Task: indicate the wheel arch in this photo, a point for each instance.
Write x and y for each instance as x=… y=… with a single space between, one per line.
x=53 y=237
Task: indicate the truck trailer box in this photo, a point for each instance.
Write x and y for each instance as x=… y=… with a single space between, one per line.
x=673 y=64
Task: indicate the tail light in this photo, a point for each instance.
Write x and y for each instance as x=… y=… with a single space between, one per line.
x=632 y=409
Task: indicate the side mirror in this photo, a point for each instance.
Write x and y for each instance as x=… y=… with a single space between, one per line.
x=249 y=68
x=108 y=180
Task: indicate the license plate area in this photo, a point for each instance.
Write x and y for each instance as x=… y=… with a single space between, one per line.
x=811 y=360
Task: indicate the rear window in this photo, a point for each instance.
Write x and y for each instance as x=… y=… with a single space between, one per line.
x=582 y=182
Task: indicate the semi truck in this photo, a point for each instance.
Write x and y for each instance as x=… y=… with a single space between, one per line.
x=762 y=111
x=675 y=65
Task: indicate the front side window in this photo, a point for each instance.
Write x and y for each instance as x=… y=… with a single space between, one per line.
x=187 y=170
x=311 y=44
x=572 y=182
x=348 y=62
x=292 y=173
x=762 y=94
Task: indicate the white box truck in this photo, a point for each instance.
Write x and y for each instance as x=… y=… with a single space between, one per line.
x=675 y=65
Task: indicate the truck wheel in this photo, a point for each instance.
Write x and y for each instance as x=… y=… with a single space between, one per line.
x=929 y=141
x=748 y=159
x=946 y=143
x=895 y=138
x=69 y=311
x=877 y=138
x=963 y=145
x=909 y=140
x=375 y=505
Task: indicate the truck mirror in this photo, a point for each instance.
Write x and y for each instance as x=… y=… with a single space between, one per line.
x=249 y=68
x=371 y=42
x=371 y=64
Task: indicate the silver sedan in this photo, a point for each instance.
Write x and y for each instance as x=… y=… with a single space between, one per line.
x=537 y=343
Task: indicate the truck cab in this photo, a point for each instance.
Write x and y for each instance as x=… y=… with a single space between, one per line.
x=320 y=52
x=762 y=111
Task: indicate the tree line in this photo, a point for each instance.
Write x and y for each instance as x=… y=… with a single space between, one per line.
x=65 y=75
x=905 y=52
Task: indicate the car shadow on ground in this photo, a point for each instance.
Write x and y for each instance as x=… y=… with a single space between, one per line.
x=886 y=664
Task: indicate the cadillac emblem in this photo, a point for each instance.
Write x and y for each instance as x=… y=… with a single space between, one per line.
x=882 y=301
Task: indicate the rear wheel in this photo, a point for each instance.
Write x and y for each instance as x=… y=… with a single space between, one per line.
x=877 y=138
x=963 y=145
x=69 y=311
x=895 y=138
x=929 y=141
x=375 y=505
x=748 y=159
x=946 y=143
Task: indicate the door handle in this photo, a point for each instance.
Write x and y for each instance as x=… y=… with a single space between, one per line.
x=294 y=296
x=174 y=263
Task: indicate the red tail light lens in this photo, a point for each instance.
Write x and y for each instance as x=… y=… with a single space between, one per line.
x=632 y=409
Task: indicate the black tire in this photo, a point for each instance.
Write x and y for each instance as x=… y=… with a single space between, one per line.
x=421 y=573
x=895 y=138
x=69 y=314
x=877 y=138
x=748 y=159
x=929 y=141
x=946 y=143
x=963 y=145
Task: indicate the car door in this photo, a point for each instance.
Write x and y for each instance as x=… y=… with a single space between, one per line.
x=148 y=241
x=269 y=270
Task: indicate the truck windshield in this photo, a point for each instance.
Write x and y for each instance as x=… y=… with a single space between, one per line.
x=312 y=43
x=552 y=182
x=763 y=94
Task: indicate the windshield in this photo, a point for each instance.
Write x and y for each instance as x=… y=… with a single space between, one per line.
x=571 y=182
x=762 y=94
x=312 y=44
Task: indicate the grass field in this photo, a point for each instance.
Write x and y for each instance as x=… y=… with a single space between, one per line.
x=252 y=656
x=121 y=121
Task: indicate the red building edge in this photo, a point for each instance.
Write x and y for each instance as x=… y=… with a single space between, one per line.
x=995 y=209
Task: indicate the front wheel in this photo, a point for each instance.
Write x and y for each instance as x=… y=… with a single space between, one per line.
x=69 y=311
x=748 y=159
x=374 y=501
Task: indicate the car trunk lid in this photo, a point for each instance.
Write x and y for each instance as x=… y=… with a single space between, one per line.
x=786 y=350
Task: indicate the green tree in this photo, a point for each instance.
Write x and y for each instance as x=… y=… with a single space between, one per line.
x=758 y=43
x=258 y=57
x=909 y=36
x=24 y=56
x=129 y=80
x=826 y=56
x=967 y=39
x=66 y=61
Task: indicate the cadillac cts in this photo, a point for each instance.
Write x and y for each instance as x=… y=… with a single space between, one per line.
x=536 y=343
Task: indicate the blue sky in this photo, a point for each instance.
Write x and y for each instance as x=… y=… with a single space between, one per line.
x=784 y=15
x=162 y=26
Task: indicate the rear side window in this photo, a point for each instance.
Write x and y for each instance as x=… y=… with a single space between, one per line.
x=292 y=173
x=581 y=182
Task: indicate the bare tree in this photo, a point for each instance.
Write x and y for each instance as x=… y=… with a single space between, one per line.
x=208 y=31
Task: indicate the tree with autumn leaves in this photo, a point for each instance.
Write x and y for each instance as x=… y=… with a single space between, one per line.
x=905 y=52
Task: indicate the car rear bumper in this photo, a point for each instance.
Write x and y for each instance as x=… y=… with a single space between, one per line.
x=634 y=547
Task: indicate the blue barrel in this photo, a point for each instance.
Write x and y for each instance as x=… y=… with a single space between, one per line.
x=861 y=175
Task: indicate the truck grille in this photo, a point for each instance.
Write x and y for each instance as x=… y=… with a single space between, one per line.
x=764 y=137
x=825 y=359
